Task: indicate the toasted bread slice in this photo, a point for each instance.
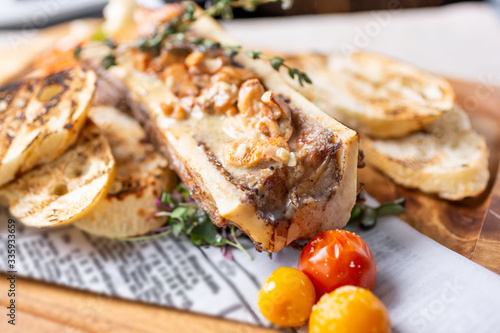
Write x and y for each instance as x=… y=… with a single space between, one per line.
x=294 y=190
x=142 y=174
x=41 y=118
x=374 y=95
x=67 y=188
x=447 y=158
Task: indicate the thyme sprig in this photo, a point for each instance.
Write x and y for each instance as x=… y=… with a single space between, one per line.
x=178 y=26
x=152 y=45
x=186 y=218
x=278 y=62
x=108 y=60
x=224 y=8
x=367 y=216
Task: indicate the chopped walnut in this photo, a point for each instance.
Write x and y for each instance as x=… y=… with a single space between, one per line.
x=201 y=67
x=141 y=60
x=249 y=103
x=179 y=81
x=194 y=59
x=178 y=109
x=247 y=153
x=219 y=98
x=278 y=111
x=281 y=155
x=183 y=107
x=200 y=80
x=233 y=75
x=165 y=59
x=269 y=112
x=201 y=62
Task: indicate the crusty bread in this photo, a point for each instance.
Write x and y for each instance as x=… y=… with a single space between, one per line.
x=142 y=174
x=447 y=158
x=67 y=188
x=385 y=99
x=40 y=118
x=372 y=94
x=216 y=187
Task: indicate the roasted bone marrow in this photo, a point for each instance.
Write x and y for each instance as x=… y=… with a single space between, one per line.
x=252 y=151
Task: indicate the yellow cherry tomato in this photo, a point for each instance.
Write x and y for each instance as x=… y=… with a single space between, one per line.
x=349 y=309
x=287 y=297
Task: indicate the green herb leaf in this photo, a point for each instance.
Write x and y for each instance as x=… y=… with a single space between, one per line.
x=392 y=208
x=141 y=43
x=306 y=78
x=368 y=216
x=276 y=63
x=205 y=233
x=224 y=8
x=110 y=43
x=176 y=229
x=77 y=51
x=232 y=51
x=186 y=218
x=253 y=54
x=179 y=213
x=188 y=12
x=210 y=44
x=108 y=61
x=166 y=199
x=356 y=212
x=183 y=191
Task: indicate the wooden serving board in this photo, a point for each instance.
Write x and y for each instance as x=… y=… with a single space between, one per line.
x=470 y=227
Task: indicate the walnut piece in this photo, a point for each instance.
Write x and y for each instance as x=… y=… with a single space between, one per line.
x=178 y=80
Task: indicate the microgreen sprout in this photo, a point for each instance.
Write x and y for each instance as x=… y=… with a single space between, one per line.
x=185 y=217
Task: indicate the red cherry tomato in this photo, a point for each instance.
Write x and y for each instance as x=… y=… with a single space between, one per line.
x=336 y=258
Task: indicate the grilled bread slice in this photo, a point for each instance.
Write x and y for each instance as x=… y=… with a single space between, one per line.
x=142 y=174
x=447 y=158
x=252 y=151
x=376 y=96
x=67 y=188
x=40 y=118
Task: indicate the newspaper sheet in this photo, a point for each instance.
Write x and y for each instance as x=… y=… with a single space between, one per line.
x=426 y=287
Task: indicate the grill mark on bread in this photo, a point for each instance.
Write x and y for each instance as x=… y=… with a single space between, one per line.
x=26 y=109
x=43 y=182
